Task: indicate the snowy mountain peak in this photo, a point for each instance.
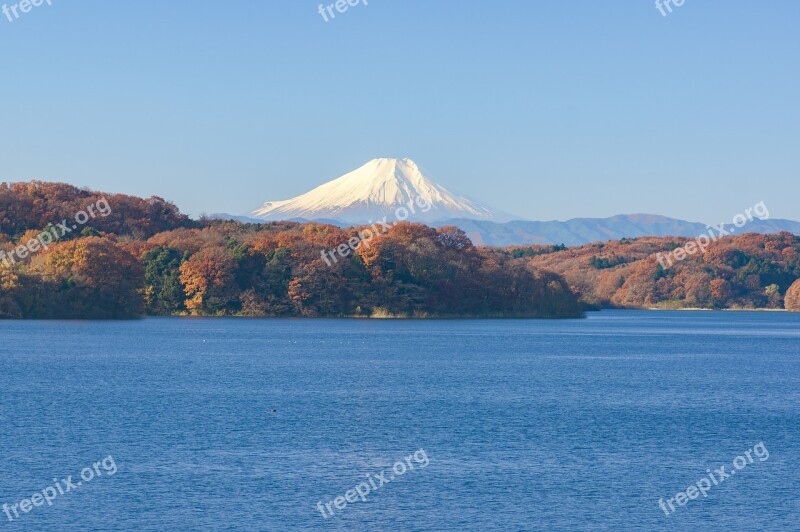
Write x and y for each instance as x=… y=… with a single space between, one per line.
x=375 y=190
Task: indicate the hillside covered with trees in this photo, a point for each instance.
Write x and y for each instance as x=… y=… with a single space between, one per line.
x=749 y=271
x=145 y=257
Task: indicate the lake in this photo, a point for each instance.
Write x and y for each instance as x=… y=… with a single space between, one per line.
x=240 y=424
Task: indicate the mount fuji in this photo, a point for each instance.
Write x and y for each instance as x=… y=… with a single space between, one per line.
x=375 y=190
x=381 y=186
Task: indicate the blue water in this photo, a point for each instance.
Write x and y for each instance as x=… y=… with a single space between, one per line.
x=524 y=425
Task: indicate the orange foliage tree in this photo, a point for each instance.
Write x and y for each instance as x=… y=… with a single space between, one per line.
x=88 y=278
x=209 y=281
x=792 y=300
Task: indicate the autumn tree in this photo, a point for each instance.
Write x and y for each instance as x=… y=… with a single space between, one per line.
x=320 y=291
x=86 y=278
x=721 y=291
x=792 y=300
x=209 y=280
x=9 y=286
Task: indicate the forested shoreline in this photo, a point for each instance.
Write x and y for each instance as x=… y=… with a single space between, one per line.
x=146 y=258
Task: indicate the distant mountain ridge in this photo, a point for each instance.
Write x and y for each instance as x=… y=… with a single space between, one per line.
x=577 y=231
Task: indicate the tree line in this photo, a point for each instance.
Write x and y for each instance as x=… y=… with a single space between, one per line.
x=148 y=258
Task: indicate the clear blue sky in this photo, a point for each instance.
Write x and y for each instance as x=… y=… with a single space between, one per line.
x=549 y=110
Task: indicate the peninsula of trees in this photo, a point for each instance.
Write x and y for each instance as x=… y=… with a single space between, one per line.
x=146 y=258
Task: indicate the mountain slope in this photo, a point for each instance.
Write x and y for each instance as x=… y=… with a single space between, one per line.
x=375 y=190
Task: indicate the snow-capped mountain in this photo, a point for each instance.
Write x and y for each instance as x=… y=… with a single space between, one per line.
x=378 y=189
